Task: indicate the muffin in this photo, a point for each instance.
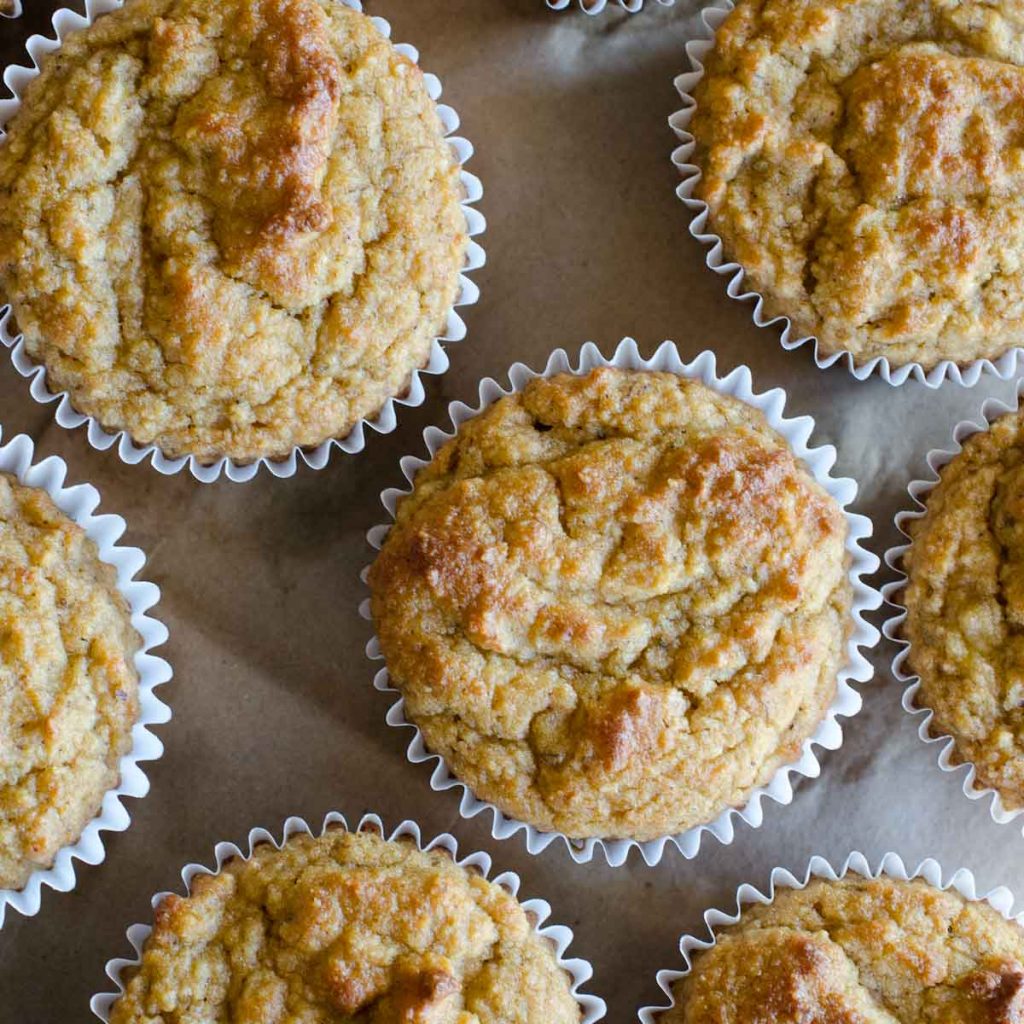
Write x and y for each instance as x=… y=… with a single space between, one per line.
x=229 y=228
x=615 y=603
x=862 y=162
x=965 y=606
x=347 y=927
x=68 y=685
x=860 y=951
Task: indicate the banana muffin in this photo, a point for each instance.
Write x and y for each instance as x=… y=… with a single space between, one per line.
x=68 y=685
x=862 y=160
x=859 y=952
x=347 y=927
x=229 y=228
x=965 y=606
x=615 y=603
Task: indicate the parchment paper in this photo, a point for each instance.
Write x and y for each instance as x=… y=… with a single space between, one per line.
x=274 y=713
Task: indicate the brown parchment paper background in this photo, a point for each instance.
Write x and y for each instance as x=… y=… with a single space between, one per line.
x=274 y=712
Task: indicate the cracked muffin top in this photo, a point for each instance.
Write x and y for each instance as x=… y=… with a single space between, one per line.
x=346 y=928
x=965 y=605
x=68 y=685
x=864 y=161
x=229 y=228
x=614 y=603
x=859 y=952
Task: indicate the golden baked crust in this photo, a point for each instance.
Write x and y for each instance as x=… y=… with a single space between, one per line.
x=862 y=160
x=965 y=605
x=859 y=952
x=230 y=228
x=614 y=603
x=68 y=685
x=344 y=928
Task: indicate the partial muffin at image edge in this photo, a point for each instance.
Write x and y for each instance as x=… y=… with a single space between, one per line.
x=68 y=685
x=875 y=951
x=861 y=162
x=351 y=926
x=231 y=229
x=964 y=598
x=615 y=604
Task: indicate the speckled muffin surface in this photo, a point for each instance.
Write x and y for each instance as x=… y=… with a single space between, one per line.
x=68 y=685
x=862 y=160
x=965 y=605
x=346 y=928
x=859 y=952
x=230 y=228
x=614 y=603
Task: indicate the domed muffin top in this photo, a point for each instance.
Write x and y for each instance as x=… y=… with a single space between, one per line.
x=965 y=605
x=863 y=161
x=229 y=228
x=68 y=684
x=859 y=952
x=614 y=603
x=346 y=927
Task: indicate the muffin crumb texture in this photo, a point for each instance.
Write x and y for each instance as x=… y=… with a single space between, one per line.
x=863 y=161
x=345 y=928
x=859 y=952
x=965 y=606
x=229 y=228
x=68 y=685
x=615 y=603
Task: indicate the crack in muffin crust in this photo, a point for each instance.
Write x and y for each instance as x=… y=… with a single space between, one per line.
x=615 y=603
x=859 y=951
x=229 y=229
x=349 y=928
x=965 y=606
x=863 y=162
x=68 y=685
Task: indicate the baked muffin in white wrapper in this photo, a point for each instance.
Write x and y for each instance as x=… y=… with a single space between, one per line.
x=857 y=942
x=227 y=249
x=353 y=923
x=840 y=194
x=956 y=606
x=669 y=539
x=78 y=677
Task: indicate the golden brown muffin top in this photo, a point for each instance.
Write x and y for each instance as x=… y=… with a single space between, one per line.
x=859 y=952
x=862 y=160
x=965 y=605
x=346 y=928
x=614 y=603
x=68 y=685
x=229 y=228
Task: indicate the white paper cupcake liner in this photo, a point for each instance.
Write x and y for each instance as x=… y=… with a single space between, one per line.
x=893 y=594
x=820 y=460
x=16 y=78
x=597 y=6
x=592 y=1008
x=890 y=866
x=697 y=50
x=79 y=502
x=15 y=11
